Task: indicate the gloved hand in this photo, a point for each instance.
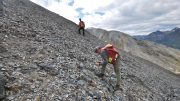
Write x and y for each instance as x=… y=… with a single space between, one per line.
x=98 y=63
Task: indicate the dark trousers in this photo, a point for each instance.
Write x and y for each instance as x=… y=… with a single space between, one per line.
x=81 y=28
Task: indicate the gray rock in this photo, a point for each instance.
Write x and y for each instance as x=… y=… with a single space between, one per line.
x=51 y=69
x=3 y=48
x=1 y=66
x=81 y=82
x=2 y=87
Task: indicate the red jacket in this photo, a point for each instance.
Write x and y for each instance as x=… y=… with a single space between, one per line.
x=81 y=24
x=111 y=52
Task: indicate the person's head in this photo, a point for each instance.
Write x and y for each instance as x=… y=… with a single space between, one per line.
x=79 y=19
x=97 y=49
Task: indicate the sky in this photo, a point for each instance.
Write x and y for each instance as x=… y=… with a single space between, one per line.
x=134 y=17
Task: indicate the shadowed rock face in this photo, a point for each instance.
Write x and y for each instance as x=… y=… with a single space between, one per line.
x=161 y=55
x=44 y=58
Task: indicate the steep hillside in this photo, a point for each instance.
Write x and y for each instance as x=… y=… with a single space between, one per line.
x=168 y=38
x=43 y=58
x=161 y=55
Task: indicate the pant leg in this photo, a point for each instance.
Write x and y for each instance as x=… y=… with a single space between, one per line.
x=117 y=71
x=79 y=30
x=103 y=68
x=83 y=31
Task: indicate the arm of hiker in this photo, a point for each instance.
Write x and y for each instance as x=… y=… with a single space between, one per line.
x=104 y=58
x=98 y=63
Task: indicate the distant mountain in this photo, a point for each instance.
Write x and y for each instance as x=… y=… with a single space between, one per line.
x=168 y=38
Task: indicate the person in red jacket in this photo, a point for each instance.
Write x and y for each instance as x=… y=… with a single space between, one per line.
x=109 y=55
x=81 y=26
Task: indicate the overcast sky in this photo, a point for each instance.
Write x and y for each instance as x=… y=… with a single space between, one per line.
x=134 y=17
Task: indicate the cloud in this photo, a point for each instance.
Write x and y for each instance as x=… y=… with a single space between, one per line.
x=91 y=6
x=144 y=16
x=42 y=3
x=130 y=16
x=61 y=7
x=64 y=9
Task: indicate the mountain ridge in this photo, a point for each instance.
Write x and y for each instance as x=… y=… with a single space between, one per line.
x=169 y=38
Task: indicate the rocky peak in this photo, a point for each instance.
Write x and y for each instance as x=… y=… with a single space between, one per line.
x=176 y=28
x=157 y=32
x=169 y=38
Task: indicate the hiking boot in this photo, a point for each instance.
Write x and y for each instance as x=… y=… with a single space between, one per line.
x=118 y=87
x=101 y=75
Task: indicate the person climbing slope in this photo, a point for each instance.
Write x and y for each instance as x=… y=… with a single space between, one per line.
x=81 y=26
x=109 y=55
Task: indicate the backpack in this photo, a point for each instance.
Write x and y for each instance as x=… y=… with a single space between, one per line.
x=112 y=53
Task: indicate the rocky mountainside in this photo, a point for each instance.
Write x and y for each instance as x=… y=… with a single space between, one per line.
x=43 y=58
x=168 y=38
x=161 y=55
